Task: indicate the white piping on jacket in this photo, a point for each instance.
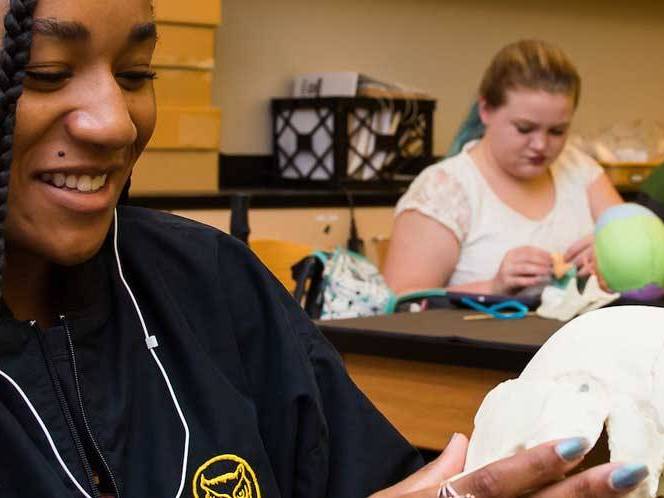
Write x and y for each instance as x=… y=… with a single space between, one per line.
x=151 y=343
x=46 y=433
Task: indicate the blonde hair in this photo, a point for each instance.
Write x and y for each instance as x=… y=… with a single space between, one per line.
x=530 y=64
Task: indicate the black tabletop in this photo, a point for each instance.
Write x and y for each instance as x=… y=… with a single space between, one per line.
x=443 y=336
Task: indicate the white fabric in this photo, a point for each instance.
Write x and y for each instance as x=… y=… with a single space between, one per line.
x=565 y=303
x=454 y=193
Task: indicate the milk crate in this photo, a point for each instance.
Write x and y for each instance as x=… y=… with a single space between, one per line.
x=337 y=141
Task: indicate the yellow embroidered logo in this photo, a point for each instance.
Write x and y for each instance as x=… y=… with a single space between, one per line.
x=226 y=476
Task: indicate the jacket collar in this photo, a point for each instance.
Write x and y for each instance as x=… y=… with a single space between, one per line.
x=84 y=298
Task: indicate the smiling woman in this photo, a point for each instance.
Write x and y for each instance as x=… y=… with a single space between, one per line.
x=87 y=92
x=144 y=355
x=94 y=401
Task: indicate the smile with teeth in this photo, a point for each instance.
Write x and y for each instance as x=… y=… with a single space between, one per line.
x=82 y=183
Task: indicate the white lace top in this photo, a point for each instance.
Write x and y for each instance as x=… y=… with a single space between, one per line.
x=454 y=193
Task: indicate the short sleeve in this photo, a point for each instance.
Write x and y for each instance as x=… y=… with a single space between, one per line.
x=579 y=166
x=440 y=196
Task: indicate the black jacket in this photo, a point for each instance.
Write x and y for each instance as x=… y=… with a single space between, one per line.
x=269 y=407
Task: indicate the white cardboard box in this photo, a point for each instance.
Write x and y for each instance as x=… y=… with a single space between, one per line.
x=339 y=84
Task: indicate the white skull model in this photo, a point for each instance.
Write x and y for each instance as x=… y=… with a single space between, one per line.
x=604 y=367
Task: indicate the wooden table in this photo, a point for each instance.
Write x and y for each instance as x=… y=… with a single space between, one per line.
x=428 y=372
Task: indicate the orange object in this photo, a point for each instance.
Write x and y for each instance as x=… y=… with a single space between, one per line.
x=279 y=256
x=560 y=267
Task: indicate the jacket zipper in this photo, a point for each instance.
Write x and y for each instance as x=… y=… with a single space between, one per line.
x=77 y=384
x=67 y=414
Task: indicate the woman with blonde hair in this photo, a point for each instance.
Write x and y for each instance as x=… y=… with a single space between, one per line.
x=487 y=219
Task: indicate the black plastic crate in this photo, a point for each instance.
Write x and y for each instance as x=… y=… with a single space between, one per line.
x=338 y=141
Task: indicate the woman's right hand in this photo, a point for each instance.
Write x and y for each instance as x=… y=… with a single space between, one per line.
x=522 y=267
x=540 y=473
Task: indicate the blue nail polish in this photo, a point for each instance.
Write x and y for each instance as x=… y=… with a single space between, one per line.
x=628 y=476
x=572 y=448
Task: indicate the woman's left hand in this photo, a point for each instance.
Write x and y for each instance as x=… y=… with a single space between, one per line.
x=539 y=472
x=581 y=253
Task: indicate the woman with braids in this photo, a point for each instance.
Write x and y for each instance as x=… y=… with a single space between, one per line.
x=144 y=355
x=489 y=217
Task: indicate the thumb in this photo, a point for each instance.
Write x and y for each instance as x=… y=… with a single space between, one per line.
x=449 y=463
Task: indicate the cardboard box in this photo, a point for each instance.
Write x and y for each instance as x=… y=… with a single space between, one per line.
x=350 y=84
x=338 y=84
x=196 y=12
x=175 y=171
x=185 y=46
x=187 y=128
x=183 y=87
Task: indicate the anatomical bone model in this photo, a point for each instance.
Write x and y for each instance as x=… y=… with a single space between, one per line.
x=604 y=367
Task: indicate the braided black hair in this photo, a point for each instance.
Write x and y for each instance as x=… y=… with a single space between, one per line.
x=13 y=59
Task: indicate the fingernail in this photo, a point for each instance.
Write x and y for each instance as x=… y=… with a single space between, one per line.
x=451 y=439
x=628 y=476
x=571 y=449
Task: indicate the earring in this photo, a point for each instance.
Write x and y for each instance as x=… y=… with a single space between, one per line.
x=61 y=153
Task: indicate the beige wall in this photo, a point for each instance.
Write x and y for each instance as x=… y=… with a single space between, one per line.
x=440 y=46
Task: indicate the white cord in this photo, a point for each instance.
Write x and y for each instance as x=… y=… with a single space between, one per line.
x=46 y=433
x=151 y=344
